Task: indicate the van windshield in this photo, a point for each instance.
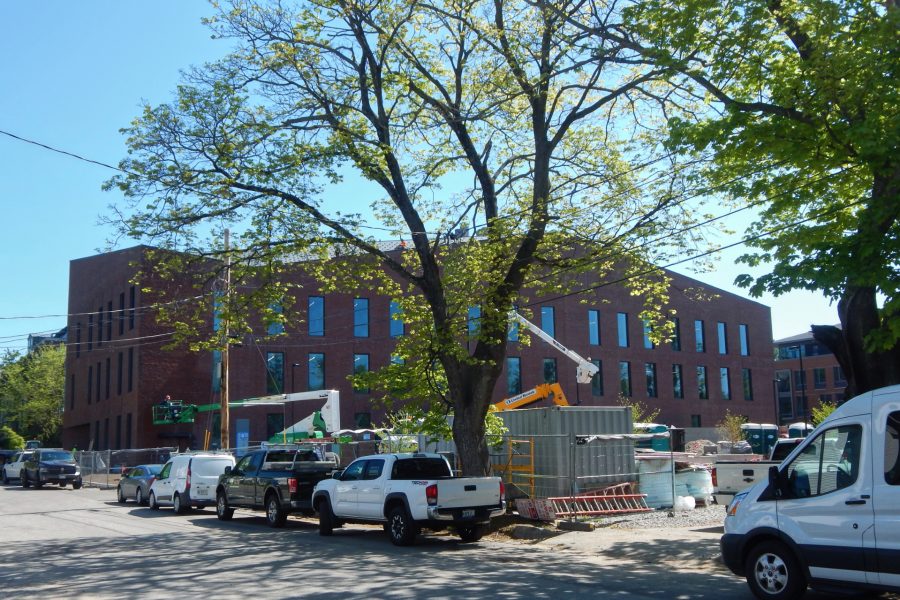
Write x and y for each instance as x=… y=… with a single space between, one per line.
x=210 y=467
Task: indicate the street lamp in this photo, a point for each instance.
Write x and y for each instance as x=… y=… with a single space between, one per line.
x=802 y=380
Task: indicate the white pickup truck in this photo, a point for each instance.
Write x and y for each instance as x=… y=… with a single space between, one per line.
x=732 y=476
x=406 y=492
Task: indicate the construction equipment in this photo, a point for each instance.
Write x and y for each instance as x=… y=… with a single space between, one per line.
x=585 y=370
x=538 y=392
x=169 y=412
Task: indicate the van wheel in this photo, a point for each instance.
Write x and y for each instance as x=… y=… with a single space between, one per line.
x=177 y=506
x=402 y=529
x=774 y=573
x=223 y=511
x=275 y=515
x=5 y=478
x=152 y=502
x=326 y=518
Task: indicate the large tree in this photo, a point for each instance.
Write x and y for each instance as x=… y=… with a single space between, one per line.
x=499 y=143
x=804 y=123
x=31 y=392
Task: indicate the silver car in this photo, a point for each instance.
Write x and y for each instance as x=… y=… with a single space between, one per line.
x=135 y=483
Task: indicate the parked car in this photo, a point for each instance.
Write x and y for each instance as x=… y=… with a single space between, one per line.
x=827 y=516
x=13 y=468
x=135 y=483
x=189 y=480
x=51 y=465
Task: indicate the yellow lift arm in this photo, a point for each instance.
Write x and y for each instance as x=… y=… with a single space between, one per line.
x=538 y=392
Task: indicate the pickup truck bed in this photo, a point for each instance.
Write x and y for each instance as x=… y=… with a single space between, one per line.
x=732 y=476
x=278 y=481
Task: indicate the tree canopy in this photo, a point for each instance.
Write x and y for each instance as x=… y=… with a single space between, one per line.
x=31 y=392
x=803 y=122
x=502 y=145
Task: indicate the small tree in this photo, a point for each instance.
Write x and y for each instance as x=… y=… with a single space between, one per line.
x=729 y=427
x=640 y=412
x=10 y=440
x=821 y=411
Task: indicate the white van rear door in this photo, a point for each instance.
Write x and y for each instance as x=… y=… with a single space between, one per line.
x=828 y=510
x=886 y=445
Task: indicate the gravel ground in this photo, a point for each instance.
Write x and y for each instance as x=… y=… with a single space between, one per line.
x=712 y=515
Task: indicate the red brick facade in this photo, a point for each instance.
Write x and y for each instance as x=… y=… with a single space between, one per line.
x=122 y=417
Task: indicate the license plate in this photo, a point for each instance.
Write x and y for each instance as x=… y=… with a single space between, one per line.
x=468 y=513
x=202 y=490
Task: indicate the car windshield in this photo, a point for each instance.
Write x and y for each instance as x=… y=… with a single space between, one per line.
x=61 y=455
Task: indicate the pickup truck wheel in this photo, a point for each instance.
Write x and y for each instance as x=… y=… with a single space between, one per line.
x=773 y=572
x=470 y=533
x=5 y=478
x=152 y=502
x=76 y=485
x=120 y=495
x=223 y=511
x=402 y=529
x=24 y=477
x=326 y=518
x=275 y=515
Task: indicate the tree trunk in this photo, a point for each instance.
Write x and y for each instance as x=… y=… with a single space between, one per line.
x=859 y=315
x=471 y=388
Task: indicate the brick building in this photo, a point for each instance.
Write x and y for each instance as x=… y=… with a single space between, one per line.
x=806 y=373
x=720 y=359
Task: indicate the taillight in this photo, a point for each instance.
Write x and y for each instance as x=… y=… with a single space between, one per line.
x=187 y=481
x=431 y=494
x=502 y=491
x=715 y=480
x=292 y=485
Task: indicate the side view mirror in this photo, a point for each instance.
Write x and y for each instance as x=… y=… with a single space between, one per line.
x=337 y=474
x=228 y=470
x=776 y=481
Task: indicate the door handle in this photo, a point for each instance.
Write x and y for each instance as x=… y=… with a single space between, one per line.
x=854 y=502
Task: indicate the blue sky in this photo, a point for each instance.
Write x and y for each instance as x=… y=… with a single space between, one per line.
x=73 y=74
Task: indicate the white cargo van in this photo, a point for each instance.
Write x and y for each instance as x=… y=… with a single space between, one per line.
x=189 y=480
x=829 y=515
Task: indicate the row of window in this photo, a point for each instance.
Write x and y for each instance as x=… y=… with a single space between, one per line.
x=315 y=321
x=315 y=372
x=99 y=380
x=820 y=382
x=514 y=379
x=102 y=442
x=103 y=327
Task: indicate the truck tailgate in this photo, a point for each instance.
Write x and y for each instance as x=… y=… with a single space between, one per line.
x=468 y=492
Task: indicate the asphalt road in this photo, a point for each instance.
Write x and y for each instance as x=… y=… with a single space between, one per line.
x=65 y=543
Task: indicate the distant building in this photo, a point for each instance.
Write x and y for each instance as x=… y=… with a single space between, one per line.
x=806 y=373
x=117 y=369
x=37 y=340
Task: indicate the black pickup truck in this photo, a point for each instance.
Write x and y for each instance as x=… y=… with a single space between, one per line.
x=277 y=480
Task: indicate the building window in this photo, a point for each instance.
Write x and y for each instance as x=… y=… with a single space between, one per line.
x=597 y=379
x=513 y=375
x=108 y=376
x=360 y=367
x=550 y=375
x=90 y=332
x=274 y=372
x=695 y=421
x=473 y=321
x=747 y=379
x=120 y=367
x=594 y=327
x=275 y=426
x=745 y=340
x=363 y=420
x=698 y=336
x=131 y=305
x=97 y=390
x=118 y=432
x=275 y=326
x=723 y=337
x=702 y=387
x=361 y=317
x=648 y=343
x=130 y=369
x=512 y=332
x=650 y=371
x=622 y=329
x=548 y=320
x=78 y=340
x=109 y=320
x=676 y=334
x=122 y=314
x=90 y=384
x=396 y=323
x=726 y=384
x=128 y=430
x=819 y=378
x=838 y=375
x=316 y=374
x=625 y=378
x=800 y=380
x=677 y=381
x=72 y=391
x=315 y=316
x=100 y=326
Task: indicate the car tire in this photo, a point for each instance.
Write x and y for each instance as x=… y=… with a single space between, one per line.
x=139 y=496
x=177 y=506
x=774 y=573
x=76 y=485
x=5 y=478
x=275 y=514
x=120 y=495
x=326 y=518
x=23 y=477
x=470 y=533
x=152 y=502
x=402 y=530
x=37 y=483
x=223 y=511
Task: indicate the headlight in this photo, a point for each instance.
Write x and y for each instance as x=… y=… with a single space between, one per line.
x=735 y=503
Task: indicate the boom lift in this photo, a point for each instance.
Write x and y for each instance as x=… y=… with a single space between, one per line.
x=585 y=369
x=538 y=392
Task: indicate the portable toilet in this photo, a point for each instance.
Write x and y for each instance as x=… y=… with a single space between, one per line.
x=769 y=434
x=799 y=430
x=753 y=435
x=660 y=444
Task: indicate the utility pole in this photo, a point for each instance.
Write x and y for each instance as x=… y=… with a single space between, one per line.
x=224 y=434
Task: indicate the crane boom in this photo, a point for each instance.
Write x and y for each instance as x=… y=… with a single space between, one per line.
x=585 y=369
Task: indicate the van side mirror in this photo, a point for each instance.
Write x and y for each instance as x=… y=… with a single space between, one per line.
x=228 y=470
x=776 y=481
